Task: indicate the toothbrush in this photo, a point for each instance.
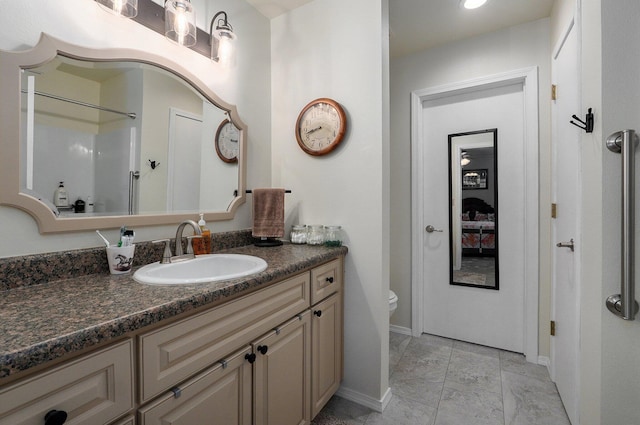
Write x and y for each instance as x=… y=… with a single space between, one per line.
x=103 y=238
x=122 y=230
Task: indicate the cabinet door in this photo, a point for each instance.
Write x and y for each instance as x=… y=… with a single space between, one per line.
x=92 y=390
x=282 y=374
x=221 y=395
x=175 y=352
x=326 y=351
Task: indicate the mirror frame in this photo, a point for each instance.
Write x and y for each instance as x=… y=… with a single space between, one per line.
x=494 y=171
x=11 y=64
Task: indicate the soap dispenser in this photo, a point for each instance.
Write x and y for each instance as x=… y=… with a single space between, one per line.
x=60 y=197
x=202 y=245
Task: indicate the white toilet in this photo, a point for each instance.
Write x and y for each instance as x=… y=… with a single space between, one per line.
x=393 y=302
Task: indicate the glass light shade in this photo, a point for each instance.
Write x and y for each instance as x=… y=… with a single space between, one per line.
x=125 y=8
x=180 y=22
x=223 y=50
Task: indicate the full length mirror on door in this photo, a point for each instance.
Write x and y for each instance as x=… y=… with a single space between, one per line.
x=473 y=210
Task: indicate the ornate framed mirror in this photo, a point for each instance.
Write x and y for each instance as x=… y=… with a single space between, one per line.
x=128 y=132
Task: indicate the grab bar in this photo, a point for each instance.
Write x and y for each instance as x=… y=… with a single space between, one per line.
x=624 y=304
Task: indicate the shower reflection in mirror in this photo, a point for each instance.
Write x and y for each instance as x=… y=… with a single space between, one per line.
x=473 y=210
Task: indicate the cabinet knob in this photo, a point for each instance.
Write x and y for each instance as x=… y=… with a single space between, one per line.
x=329 y=279
x=318 y=313
x=263 y=349
x=55 y=417
x=251 y=357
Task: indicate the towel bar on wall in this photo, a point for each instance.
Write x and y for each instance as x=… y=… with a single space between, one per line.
x=624 y=304
x=235 y=192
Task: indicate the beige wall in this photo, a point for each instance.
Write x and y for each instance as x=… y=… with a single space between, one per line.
x=312 y=57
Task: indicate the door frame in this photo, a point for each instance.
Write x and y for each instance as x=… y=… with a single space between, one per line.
x=528 y=77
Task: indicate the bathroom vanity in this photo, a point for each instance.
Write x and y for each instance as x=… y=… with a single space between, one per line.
x=266 y=349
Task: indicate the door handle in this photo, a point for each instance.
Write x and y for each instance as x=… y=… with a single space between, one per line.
x=569 y=245
x=431 y=229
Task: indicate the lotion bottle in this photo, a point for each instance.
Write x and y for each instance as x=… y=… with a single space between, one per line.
x=202 y=245
x=61 y=197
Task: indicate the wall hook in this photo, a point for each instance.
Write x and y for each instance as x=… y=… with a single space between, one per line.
x=587 y=125
x=154 y=164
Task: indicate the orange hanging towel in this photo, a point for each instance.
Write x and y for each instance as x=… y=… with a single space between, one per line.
x=268 y=213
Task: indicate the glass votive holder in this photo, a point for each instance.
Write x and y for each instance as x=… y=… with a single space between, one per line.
x=315 y=234
x=333 y=235
x=298 y=234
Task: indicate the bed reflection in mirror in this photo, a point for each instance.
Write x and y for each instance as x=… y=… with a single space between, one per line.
x=473 y=210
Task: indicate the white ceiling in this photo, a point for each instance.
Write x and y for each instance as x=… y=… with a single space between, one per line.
x=421 y=24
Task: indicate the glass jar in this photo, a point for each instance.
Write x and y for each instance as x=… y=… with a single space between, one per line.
x=298 y=234
x=315 y=234
x=333 y=235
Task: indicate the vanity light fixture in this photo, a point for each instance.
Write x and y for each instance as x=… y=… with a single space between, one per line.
x=221 y=38
x=180 y=22
x=473 y=4
x=125 y=8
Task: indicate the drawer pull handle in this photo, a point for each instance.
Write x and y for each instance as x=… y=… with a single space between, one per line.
x=251 y=357
x=329 y=279
x=224 y=363
x=55 y=417
x=177 y=392
x=263 y=349
x=318 y=313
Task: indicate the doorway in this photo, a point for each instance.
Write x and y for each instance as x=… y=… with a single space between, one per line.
x=457 y=311
x=183 y=189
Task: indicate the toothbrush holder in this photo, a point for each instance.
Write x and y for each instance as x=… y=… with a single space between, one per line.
x=120 y=258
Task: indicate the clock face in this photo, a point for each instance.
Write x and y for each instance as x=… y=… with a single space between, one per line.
x=227 y=141
x=321 y=126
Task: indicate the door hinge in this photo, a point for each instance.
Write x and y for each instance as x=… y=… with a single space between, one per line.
x=554 y=92
x=554 y=210
x=553 y=328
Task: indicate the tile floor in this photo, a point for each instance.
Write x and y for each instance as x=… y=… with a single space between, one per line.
x=438 y=381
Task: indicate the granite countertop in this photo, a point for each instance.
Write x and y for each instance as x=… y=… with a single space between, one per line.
x=43 y=322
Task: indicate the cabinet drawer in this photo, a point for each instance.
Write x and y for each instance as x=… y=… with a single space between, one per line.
x=223 y=393
x=94 y=389
x=171 y=354
x=325 y=280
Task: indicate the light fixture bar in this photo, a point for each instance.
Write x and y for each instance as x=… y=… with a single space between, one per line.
x=151 y=15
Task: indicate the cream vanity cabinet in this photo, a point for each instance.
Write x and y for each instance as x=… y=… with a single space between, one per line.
x=286 y=365
x=94 y=389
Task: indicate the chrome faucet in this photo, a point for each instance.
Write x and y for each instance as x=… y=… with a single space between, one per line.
x=180 y=255
x=196 y=232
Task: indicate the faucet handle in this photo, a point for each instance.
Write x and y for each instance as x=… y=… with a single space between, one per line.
x=190 y=243
x=166 y=255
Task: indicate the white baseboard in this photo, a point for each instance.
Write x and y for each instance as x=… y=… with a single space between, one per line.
x=365 y=400
x=545 y=361
x=400 y=330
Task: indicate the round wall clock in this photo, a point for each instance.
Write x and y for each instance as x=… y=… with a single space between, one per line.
x=227 y=141
x=321 y=126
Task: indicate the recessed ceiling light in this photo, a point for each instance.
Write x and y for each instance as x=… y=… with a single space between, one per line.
x=472 y=4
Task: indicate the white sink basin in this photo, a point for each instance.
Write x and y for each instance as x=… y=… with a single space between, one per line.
x=203 y=268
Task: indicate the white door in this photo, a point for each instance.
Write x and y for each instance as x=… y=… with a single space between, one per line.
x=185 y=157
x=483 y=316
x=565 y=360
